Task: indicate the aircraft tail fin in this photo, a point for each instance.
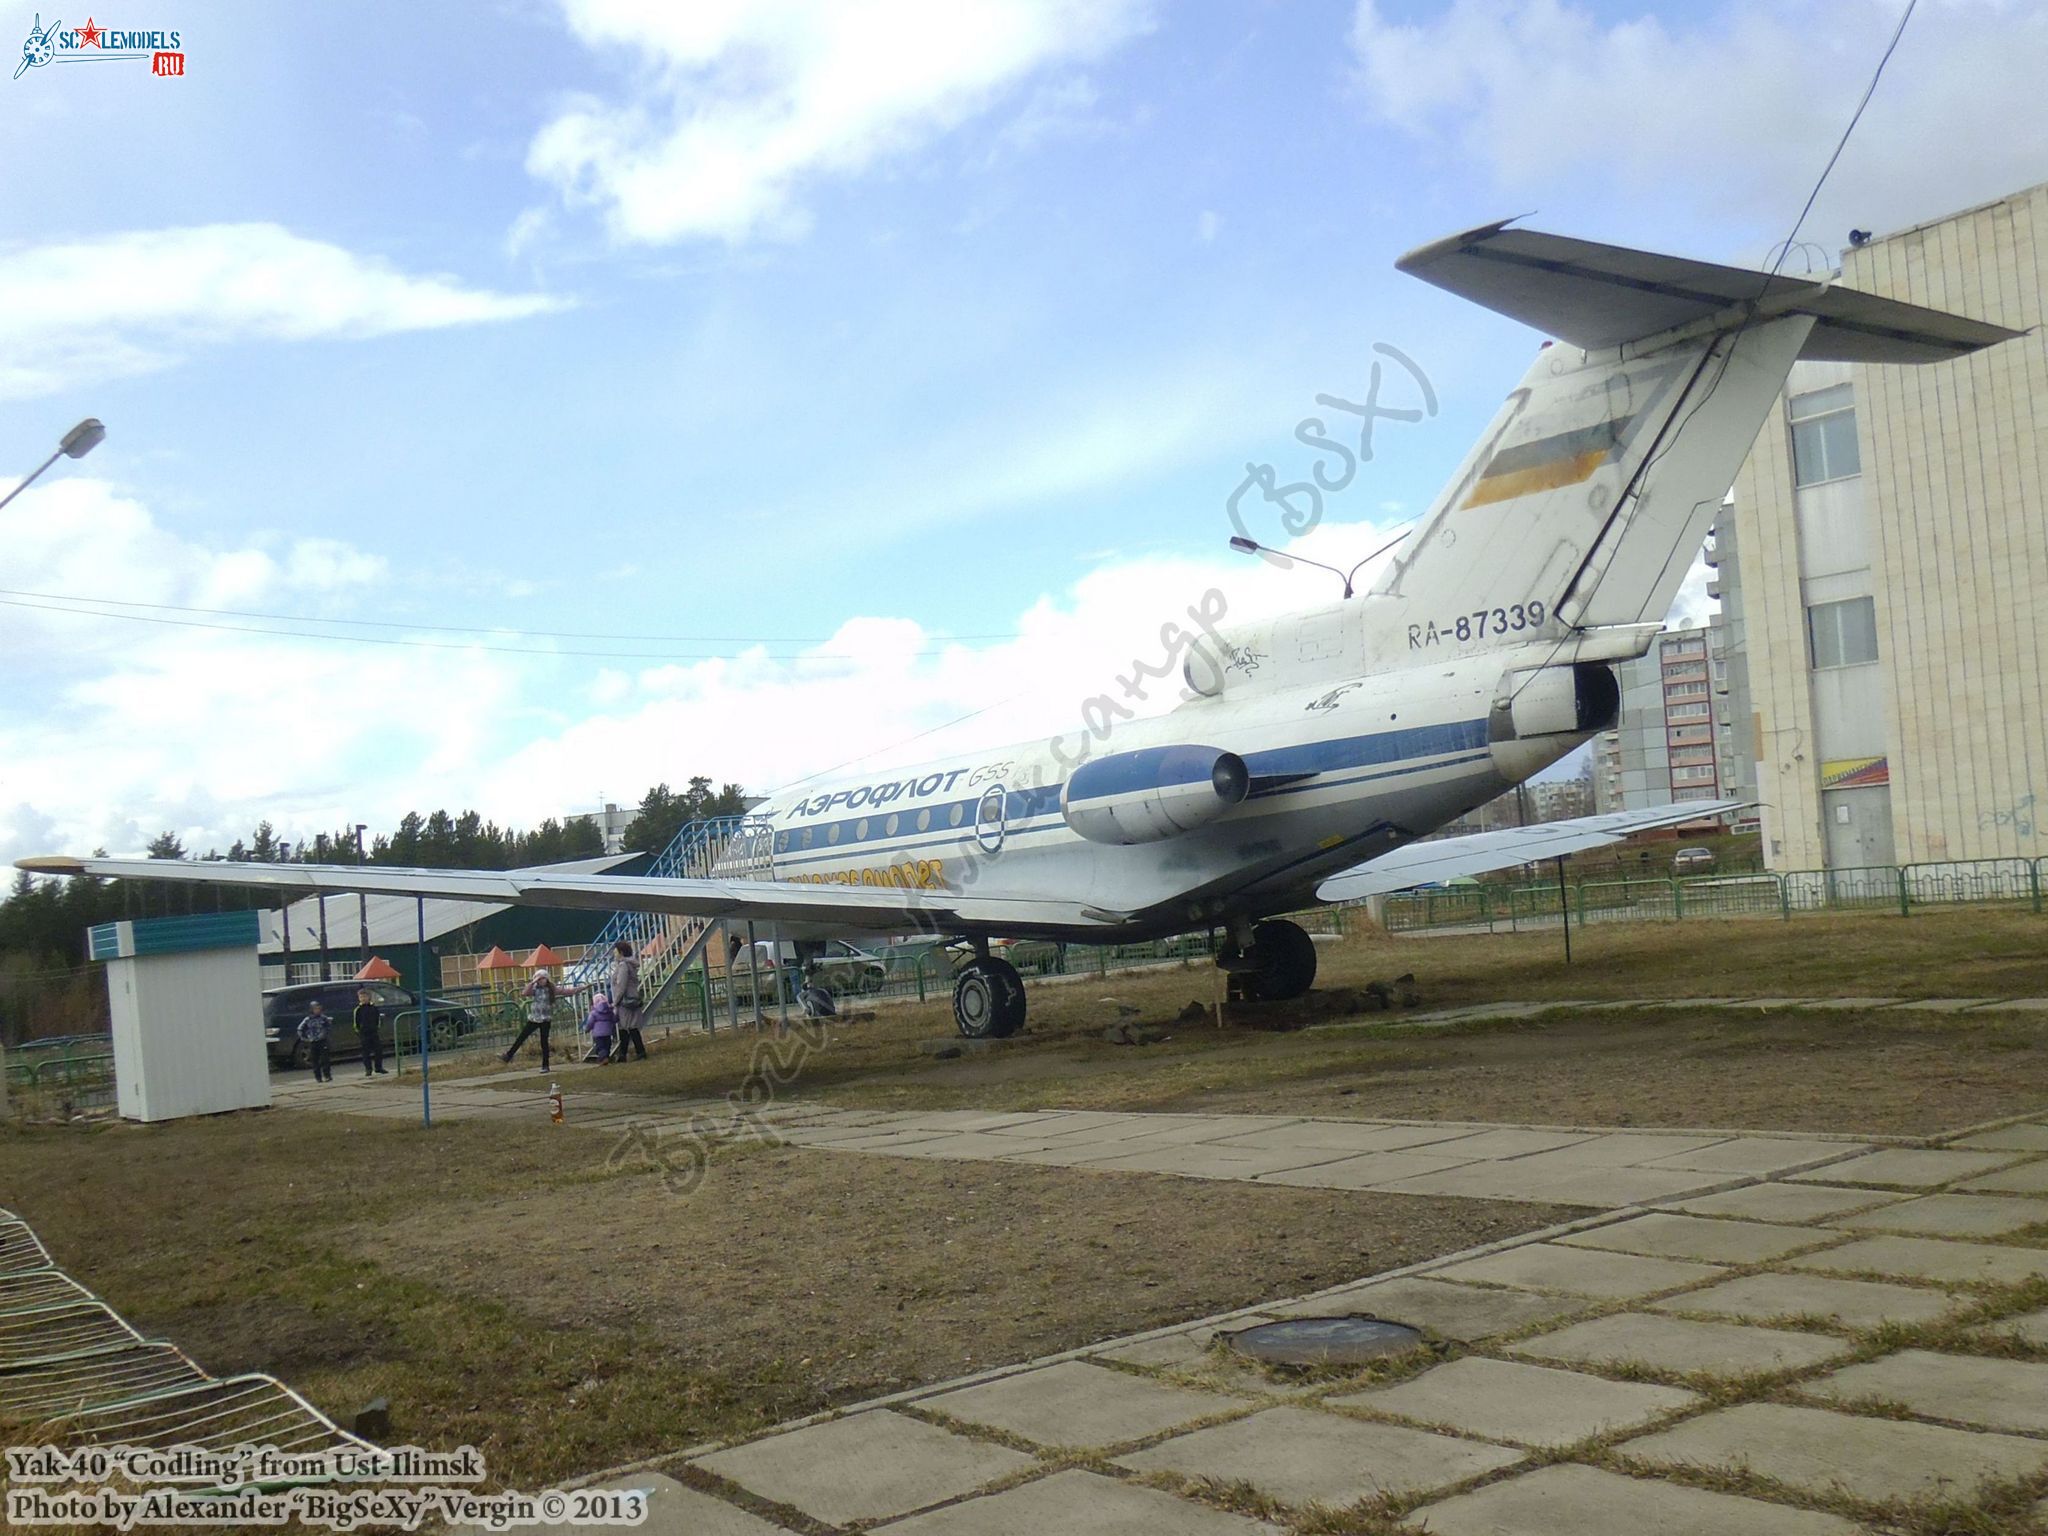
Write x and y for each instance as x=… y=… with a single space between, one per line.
x=1582 y=506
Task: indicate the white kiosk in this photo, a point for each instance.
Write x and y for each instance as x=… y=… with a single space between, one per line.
x=187 y=1005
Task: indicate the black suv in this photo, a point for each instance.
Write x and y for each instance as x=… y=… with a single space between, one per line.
x=283 y=1007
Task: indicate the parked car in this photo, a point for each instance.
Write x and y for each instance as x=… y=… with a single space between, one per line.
x=1037 y=957
x=841 y=969
x=283 y=1007
x=1692 y=861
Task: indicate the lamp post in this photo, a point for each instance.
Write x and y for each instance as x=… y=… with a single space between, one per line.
x=1246 y=546
x=75 y=444
x=362 y=899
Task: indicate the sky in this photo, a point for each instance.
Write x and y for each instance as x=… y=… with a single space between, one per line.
x=510 y=406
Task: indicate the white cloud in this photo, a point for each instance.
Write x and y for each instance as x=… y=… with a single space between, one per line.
x=737 y=105
x=133 y=728
x=85 y=310
x=1726 y=111
x=1208 y=224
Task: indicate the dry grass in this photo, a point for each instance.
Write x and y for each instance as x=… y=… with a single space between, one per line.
x=1858 y=1072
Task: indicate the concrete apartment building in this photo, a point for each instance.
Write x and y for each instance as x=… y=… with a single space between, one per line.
x=1891 y=599
x=1665 y=748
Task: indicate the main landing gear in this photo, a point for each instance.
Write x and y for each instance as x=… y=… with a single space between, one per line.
x=1278 y=963
x=988 y=997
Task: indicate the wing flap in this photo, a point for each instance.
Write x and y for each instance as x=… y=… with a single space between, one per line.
x=1445 y=858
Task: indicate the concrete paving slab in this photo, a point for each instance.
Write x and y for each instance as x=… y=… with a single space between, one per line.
x=1509 y=1141
x=1848 y=1004
x=1943 y=1004
x=1672 y=1235
x=1681 y=1344
x=1754 y=1155
x=2026 y=1179
x=1929 y=1258
x=672 y=1510
x=1302 y=1456
x=1340 y=1138
x=2015 y=1005
x=1075 y=1404
x=965 y=1146
x=1905 y=1167
x=1578 y=1271
x=1364 y=1171
x=1079 y=1503
x=869 y=1466
x=1072 y=1122
x=1579 y=1501
x=1177 y=1351
x=1200 y=1161
x=1850 y=1303
x=1521 y=1179
x=2012 y=1137
x=1815 y=1449
x=2031 y=1326
x=1784 y=1202
x=1970 y=1389
x=1620 y=1150
x=1466 y=1313
x=1951 y=1216
x=1533 y=1405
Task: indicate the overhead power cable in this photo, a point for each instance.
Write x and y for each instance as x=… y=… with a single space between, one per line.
x=301 y=632
x=457 y=629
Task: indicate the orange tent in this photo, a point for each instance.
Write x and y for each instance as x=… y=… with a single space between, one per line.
x=541 y=956
x=379 y=969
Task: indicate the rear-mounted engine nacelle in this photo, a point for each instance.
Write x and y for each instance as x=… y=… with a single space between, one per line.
x=1574 y=700
x=1153 y=793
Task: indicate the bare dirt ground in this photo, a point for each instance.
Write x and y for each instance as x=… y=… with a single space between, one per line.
x=503 y=1289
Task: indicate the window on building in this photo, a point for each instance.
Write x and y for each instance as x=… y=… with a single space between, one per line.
x=1824 y=435
x=1686 y=712
x=1843 y=634
x=1703 y=792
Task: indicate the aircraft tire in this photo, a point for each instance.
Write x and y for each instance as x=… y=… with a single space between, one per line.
x=988 y=999
x=1287 y=960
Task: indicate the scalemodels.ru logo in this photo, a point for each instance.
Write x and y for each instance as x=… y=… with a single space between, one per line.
x=92 y=43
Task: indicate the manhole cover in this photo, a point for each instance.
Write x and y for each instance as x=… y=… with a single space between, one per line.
x=1325 y=1340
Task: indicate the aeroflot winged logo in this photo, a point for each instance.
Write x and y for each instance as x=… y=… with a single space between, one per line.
x=93 y=43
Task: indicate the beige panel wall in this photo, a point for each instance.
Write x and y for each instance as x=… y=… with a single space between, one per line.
x=1954 y=461
x=1788 y=768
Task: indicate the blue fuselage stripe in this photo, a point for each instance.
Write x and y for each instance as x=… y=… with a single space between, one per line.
x=935 y=826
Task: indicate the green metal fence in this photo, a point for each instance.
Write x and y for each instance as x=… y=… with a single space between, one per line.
x=1900 y=888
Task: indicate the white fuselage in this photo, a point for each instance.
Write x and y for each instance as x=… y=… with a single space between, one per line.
x=1341 y=771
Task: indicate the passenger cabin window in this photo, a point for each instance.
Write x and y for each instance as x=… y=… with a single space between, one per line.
x=1824 y=435
x=1843 y=634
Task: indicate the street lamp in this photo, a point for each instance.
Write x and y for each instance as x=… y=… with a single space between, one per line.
x=75 y=444
x=1246 y=546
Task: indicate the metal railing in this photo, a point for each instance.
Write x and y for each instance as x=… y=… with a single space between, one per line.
x=1900 y=888
x=722 y=847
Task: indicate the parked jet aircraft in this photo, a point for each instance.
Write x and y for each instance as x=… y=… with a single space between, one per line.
x=1316 y=750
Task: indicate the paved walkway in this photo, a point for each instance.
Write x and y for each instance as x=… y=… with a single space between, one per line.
x=1756 y=1335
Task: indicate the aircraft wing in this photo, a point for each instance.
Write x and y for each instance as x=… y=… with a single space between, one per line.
x=880 y=909
x=1443 y=858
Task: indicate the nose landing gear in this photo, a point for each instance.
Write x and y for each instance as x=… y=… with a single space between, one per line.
x=1279 y=963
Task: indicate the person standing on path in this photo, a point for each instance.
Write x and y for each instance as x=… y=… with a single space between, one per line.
x=540 y=1014
x=369 y=1021
x=627 y=1001
x=313 y=1031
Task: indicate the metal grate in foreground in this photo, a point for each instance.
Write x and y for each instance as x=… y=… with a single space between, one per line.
x=74 y=1373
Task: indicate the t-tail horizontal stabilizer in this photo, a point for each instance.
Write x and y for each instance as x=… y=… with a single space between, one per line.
x=1599 y=296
